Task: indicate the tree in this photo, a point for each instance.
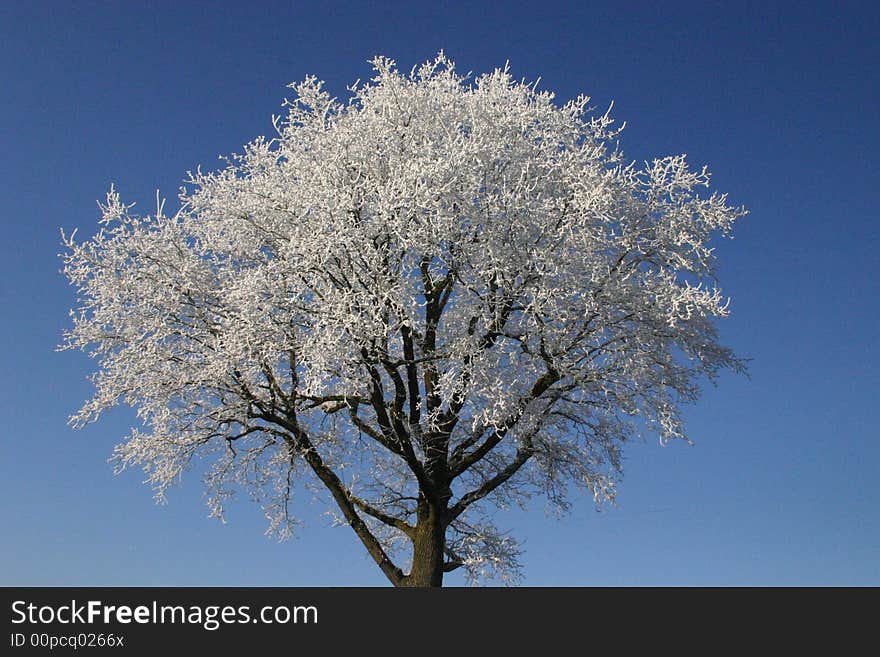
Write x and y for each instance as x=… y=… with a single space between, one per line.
x=446 y=293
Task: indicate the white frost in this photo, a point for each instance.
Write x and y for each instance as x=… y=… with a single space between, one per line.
x=444 y=278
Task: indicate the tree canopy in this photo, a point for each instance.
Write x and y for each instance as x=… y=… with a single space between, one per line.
x=448 y=292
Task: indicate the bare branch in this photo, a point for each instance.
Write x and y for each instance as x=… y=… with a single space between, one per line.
x=523 y=454
x=299 y=441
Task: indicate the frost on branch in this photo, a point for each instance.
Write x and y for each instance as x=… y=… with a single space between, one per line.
x=445 y=293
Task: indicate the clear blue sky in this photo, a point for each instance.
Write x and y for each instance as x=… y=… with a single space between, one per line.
x=781 y=486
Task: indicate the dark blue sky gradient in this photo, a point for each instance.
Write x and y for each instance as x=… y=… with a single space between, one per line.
x=781 y=486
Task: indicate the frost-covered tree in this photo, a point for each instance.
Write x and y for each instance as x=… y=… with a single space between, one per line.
x=448 y=293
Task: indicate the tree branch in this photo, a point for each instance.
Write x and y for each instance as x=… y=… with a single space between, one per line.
x=389 y=520
x=523 y=454
x=465 y=461
x=412 y=375
x=397 y=438
x=299 y=441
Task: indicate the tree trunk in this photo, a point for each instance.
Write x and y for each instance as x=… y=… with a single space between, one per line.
x=429 y=542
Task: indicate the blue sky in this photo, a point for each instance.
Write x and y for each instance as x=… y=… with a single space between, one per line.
x=781 y=486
